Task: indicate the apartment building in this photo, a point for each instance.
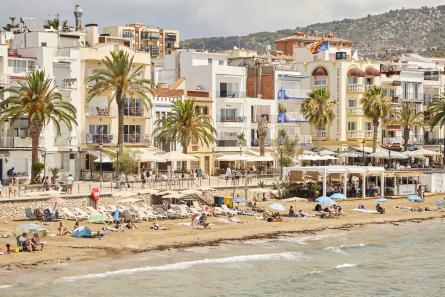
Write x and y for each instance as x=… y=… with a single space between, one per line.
x=285 y=86
x=232 y=111
x=58 y=54
x=416 y=80
x=156 y=41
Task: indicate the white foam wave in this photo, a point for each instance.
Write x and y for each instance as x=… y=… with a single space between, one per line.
x=316 y=237
x=5 y=286
x=315 y=272
x=336 y=250
x=188 y=264
x=345 y=265
x=348 y=246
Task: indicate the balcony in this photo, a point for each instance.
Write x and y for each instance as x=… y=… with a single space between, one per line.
x=137 y=139
x=256 y=143
x=18 y=142
x=236 y=119
x=63 y=141
x=99 y=138
x=100 y=111
x=413 y=139
x=67 y=83
x=292 y=94
x=360 y=134
x=134 y=112
x=320 y=134
x=412 y=97
x=355 y=88
x=230 y=94
x=356 y=111
x=291 y=117
x=170 y=37
x=227 y=143
x=270 y=119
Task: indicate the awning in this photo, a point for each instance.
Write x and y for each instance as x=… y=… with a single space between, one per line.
x=97 y=155
x=233 y=158
x=408 y=174
x=174 y=156
x=319 y=71
x=94 y=153
x=148 y=155
x=356 y=72
x=371 y=71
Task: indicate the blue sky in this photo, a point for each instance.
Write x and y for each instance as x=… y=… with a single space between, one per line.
x=197 y=18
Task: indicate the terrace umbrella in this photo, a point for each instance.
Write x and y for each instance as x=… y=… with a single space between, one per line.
x=339 y=196
x=239 y=200
x=327 y=153
x=277 y=207
x=382 y=200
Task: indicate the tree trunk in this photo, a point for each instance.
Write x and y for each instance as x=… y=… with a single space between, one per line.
x=184 y=151
x=375 y=126
x=318 y=140
x=405 y=138
x=261 y=140
x=34 y=155
x=120 y=117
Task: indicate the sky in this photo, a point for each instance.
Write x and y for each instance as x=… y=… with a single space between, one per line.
x=203 y=18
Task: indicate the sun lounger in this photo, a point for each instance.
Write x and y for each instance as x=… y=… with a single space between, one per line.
x=81 y=213
x=181 y=210
x=227 y=210
x=29 y=214
x=218 y=211
x=364 y=210
x=67 y=214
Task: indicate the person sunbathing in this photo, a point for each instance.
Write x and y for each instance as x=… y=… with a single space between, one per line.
x=25 y=243
x=291 y=211
x=277 y=218
x=156 y=226
x=36 y=243
x=63 y=230
x=130 y=225
x=379 y=209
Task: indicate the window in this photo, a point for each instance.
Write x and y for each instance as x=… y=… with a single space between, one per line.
x=132 y=133
x=158 y=115
x=19 y=66
x=320 y=81
x=352 y=103
x=352 y=80
x=99 y=134
x=221 y=62
x=209 y=61
x=352 y=126
x=195 y=144
x=133 y=107
x=368 y=126
x=127 y=34
x=98 y=129
x=229 y=115
x=369 y=80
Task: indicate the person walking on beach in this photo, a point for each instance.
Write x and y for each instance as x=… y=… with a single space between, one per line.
x=69 y=184
x=421 y=191
x=143 y=179
x=122 y=179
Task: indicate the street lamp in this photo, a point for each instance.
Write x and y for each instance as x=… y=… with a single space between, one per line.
x=363 y=151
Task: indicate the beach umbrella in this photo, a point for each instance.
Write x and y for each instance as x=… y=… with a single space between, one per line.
x=239 y=200
x=382 y=200
x=277 y=207
x=414 y=198
x=31 y=227
x=321 y=198
x=351 y=154
x=325 y=201
x=98 y=218
x=327 y=153
x=339 y=196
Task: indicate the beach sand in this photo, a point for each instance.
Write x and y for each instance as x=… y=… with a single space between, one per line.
x=65 y=249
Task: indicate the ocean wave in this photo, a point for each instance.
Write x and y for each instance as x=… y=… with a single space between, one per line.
x=345 y=265
x=336 y=250
x=6 y=286
x=351 y=246
x=188 y=264
x=303 y=239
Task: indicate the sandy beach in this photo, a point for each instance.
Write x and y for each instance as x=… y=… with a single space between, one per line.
x=66 y=249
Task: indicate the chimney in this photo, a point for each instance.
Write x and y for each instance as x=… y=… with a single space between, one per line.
x=92 y=36
x=78 y=12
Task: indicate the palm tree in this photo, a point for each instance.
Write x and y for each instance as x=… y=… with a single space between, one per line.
x=11 y=25
x=241 y=141
x=263 y=127
x=184 y=123
x=408 y=117
x=376 y=107
x=55 y=24
x=36 y=99
x=284 y=150
x=122 y=80
x=436 y=112
x=318 y=110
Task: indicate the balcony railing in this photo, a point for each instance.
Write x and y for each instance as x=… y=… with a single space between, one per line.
x=291 y=117
x=256 y=143
x=355 y=111
x=292 y=94
x=356 y=88
x=236 y=119
x=227 y=143
x=137 y=139
x=360 y=133
x=230 y=94
x=99 y=138
x=100 y=111
x=321 y=134
x=18 y=142
x=67 y=83
x=412 y=97
x=134 y=112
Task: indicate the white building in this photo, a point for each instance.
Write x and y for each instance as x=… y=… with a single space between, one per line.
x=233 y=112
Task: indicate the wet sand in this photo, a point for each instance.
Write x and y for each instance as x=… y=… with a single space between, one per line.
x=66 y=249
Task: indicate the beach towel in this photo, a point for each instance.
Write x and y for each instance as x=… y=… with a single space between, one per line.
x=82 y=231
x=364 y=210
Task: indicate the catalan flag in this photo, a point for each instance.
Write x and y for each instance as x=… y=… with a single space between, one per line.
x=319 y=46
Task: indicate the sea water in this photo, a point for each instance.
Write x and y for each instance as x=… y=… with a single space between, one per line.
x=377 y=260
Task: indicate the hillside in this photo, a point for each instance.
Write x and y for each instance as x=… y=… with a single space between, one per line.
x=390 y=33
